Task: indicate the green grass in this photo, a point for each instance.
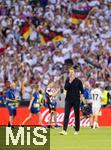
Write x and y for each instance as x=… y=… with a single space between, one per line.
x=87 y=139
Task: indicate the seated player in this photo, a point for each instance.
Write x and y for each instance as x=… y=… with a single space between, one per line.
x=11 y=101
x=34 y=106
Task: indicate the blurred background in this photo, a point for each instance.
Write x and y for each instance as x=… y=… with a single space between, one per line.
x=40 y=39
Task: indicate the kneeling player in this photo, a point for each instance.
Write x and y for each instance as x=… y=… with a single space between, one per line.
x=34 y=106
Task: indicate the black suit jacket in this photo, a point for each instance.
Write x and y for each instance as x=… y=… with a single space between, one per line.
x=73 y=90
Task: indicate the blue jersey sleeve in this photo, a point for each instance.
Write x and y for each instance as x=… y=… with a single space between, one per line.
x=85 y=94
x=8 y=94
x=35 y=95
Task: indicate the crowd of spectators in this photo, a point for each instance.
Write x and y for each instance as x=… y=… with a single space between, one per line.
x=87 y=46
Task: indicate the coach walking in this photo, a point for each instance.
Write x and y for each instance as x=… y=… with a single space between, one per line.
x=74 y=89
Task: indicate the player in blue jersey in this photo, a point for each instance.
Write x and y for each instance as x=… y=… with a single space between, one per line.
x=34 y=106
x=86 y=105
x=11 y=103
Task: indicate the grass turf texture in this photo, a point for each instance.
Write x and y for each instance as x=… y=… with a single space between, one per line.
x=87 y=139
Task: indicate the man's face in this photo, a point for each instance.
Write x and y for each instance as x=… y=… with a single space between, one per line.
x=71 y=73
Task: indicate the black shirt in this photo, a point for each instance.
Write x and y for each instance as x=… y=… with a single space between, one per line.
x=73 y=89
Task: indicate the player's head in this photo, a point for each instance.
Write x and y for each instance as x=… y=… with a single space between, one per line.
x=97 y=85
x=71 y=71
x=106 y=88
x=50 y=85
x=36 y=87
x=87 y=84
x=12 y=85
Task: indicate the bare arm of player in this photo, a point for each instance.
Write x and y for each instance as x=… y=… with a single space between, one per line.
x=31 y=101
x=10 y=100
x=49 y=92
x=57 y=92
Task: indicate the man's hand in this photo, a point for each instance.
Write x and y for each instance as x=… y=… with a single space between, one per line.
x=82 y=99
x=17 y=97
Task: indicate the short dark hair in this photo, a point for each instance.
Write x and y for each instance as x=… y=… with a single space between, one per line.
x=71 y=68
x=97 y=85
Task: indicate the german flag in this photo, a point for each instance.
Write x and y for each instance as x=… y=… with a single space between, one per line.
x=44 y=38
x=53 y=36
x=78 y=15
x=26 y=31
x=56 y=36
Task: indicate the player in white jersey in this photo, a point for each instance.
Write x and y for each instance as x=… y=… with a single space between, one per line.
x=96 y=104
x=51 y=92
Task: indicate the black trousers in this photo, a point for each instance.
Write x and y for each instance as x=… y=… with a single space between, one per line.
x=68 y=106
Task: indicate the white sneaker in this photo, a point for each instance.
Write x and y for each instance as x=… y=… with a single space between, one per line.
x=63 y=132
x=76 y=133
x=97 y=126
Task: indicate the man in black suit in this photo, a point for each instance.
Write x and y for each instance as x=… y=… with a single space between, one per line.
x=74 y=88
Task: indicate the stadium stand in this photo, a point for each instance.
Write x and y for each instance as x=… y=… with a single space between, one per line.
x=40 y=39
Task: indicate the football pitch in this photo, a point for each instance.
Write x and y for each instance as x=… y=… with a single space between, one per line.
x=87 y=139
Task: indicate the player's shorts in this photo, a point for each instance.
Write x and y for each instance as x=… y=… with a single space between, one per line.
x=96 y=110
x=34 y=110
x=46 y=104
x=1 y=98
x=52 y=106
x=12 y=110
x=51 y=110
x=86 y=110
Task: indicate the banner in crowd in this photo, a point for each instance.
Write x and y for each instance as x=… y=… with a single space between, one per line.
x=26 y=31
x=23 y=112
x=78 y=15
x=53 y=36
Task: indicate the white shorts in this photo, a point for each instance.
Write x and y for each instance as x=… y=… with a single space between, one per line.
x=95 y=110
